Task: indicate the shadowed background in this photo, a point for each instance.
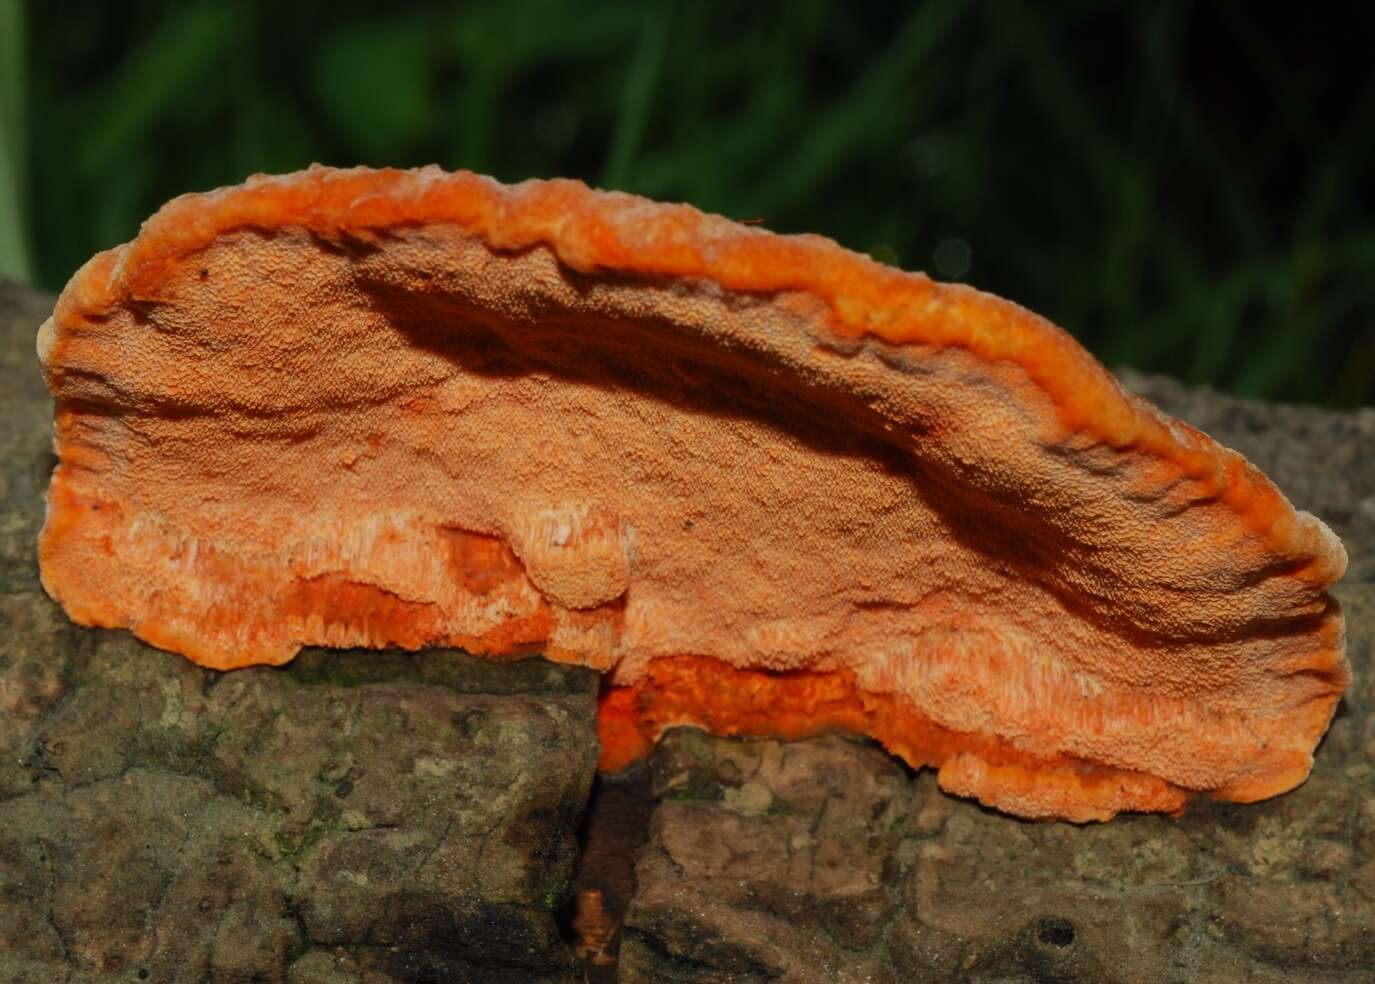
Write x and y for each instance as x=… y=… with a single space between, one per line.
x=1185 y=188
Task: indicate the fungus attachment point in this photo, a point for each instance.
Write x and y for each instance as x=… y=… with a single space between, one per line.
x=767 y=485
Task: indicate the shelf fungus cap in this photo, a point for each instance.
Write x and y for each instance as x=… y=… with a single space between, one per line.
x=764 y=484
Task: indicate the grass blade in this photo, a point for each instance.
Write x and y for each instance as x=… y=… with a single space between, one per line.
x=636 y=97
x=14 y=254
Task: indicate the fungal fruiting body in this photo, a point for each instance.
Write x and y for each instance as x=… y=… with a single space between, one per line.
x=766 y=485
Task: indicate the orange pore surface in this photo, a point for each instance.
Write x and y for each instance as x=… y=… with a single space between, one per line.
x=724 y=700
x=764 y=484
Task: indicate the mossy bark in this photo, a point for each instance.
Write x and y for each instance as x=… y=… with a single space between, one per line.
x=385 y=817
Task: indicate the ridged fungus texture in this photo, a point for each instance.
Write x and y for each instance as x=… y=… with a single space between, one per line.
x=764 y=484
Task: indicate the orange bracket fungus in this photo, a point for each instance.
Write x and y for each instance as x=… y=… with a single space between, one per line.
x=764 y=484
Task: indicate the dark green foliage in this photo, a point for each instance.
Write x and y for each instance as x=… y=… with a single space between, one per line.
x=1185 y=188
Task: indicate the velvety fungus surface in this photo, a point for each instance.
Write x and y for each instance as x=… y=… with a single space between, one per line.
x=765 y=484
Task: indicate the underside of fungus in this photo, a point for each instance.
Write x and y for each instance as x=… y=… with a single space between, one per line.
x=766 y=485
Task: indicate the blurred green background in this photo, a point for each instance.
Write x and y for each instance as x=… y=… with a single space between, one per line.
x=1186 y=188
